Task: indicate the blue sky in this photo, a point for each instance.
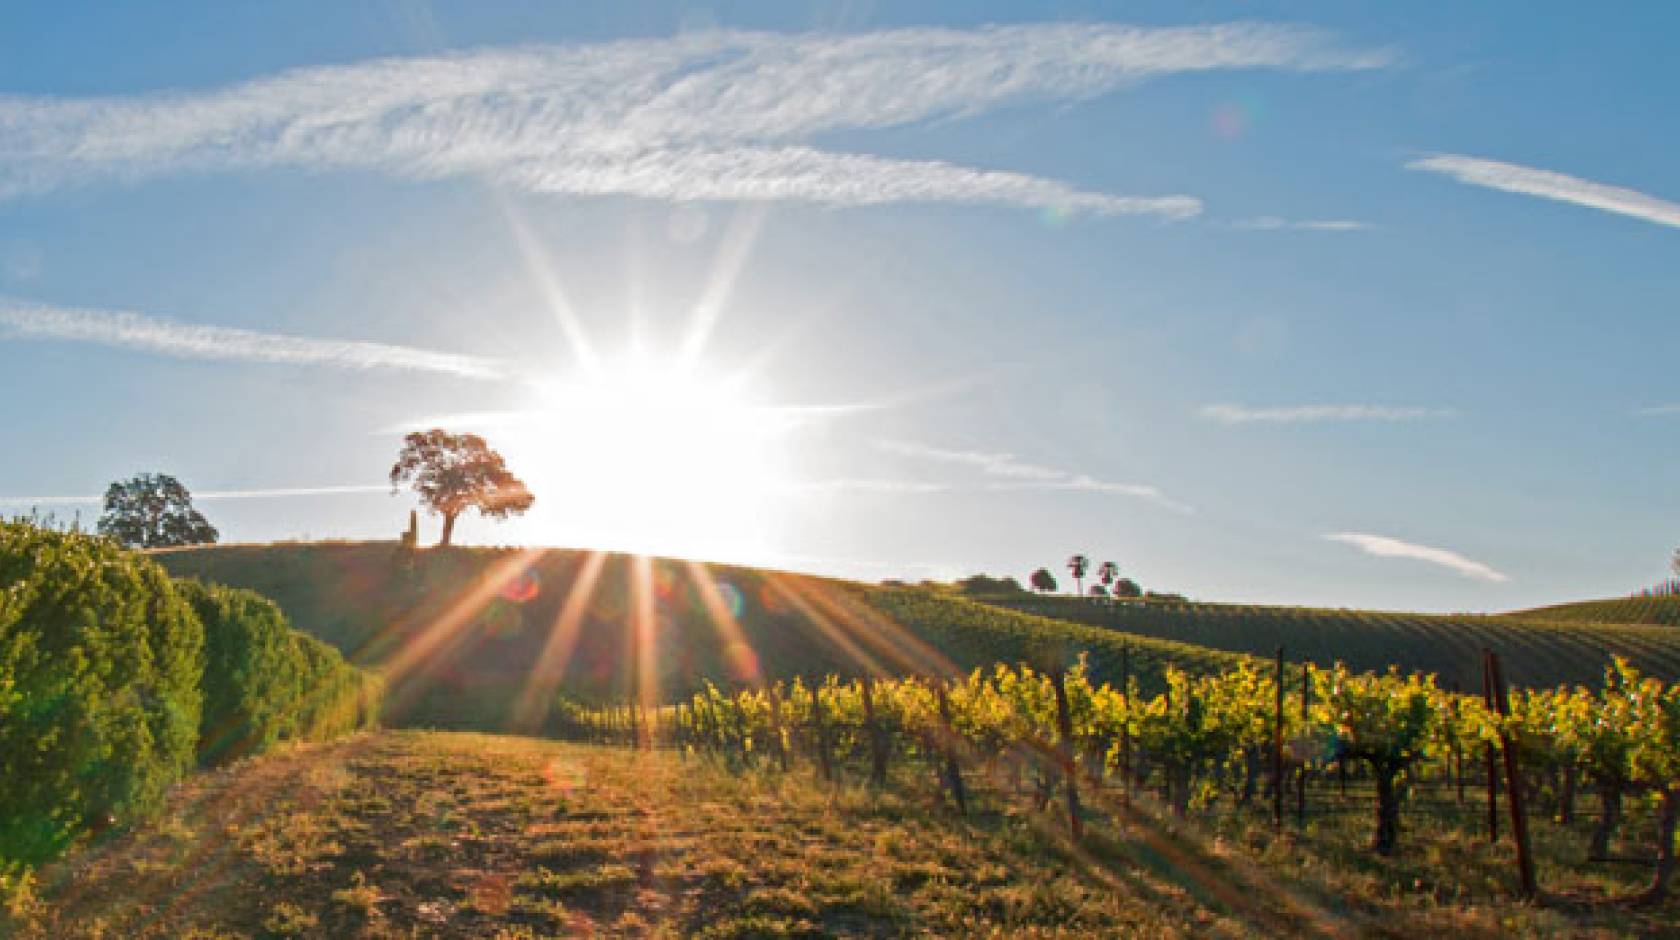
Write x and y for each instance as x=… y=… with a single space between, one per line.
x=1312 y=303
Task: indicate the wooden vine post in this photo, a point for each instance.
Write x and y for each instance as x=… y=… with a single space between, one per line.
x=1277 y=748
x=872 y=730
x=953 y=773
x=776 y=726
x=1492 y=774
x=1064 y=752
x=1126 y=725
x=821 y=730
x=1513 y=780
x=1301 y=775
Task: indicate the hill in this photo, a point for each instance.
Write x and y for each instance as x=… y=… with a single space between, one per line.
x=1651 y=610
x=1536 y=651
x=470 y=637
x=466 y=636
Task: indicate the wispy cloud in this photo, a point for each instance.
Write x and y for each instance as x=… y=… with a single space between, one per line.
x=717 y=115
x=197 y=341
x=1007 y=472
x=1299 y=414
x=1384 y=547
x=1547 y=184
x=1658 y=411
x=1273 y=223
x=273 y=493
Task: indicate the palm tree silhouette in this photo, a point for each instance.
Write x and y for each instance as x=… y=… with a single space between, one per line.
x=1107 y=572
x=1078 y=565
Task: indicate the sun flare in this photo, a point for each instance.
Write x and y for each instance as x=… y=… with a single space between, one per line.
x=654 y=456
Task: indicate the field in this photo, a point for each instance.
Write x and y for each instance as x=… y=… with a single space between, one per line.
x=1659 y=610
x=401 y=834
x=785 y=794
x=1539 y=649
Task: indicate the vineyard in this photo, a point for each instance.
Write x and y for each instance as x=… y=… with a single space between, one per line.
x=1217 y=742
x=1653 y=609
x=1538 y=651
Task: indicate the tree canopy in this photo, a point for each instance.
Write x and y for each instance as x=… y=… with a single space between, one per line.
x=453 y=473
x=153 y=510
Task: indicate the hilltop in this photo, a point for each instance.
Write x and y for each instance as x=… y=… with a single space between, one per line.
x=467 y=626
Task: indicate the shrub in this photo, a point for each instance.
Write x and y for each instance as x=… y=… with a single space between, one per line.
x=100 y=662
x=264 y=681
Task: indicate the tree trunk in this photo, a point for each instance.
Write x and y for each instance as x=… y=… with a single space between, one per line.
x=1666 y=818
x=1609 y=814
x=1388 y=811
x=1566 y=795
x=1178 y=788
x=1251 y=775
x=448 y=528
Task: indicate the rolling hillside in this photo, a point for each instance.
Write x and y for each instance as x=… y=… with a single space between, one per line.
x=465 y=627
x=460 y=631
x=1650 y=610
x=1535 y=650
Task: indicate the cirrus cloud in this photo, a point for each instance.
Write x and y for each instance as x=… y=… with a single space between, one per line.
x=713 y=115
x=1549 y=184
x=1384 y=546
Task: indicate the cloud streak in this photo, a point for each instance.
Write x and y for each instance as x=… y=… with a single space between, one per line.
x=167 y=337
x=272 y=493
x=1009 y=473
x=1658 y=411
x=714 y=115
x=1547 y=184
x=1304 y=414
x=1272 y=223
x=1383 y=546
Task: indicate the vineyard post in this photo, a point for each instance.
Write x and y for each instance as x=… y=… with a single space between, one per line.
x=1277 y=748
x=1064 y=750
x=1301 y=778
x=872 y=729
x=1513 y=781
x=1126 y=725
x=953 y=773
x=1492 y=774
x=1458 y=745
x=776 y=726
x=822 y=734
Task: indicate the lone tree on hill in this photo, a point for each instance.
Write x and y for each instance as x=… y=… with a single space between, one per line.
x=153 y=510
x=1042 y=580
x=457 y=472
x=1077 y=565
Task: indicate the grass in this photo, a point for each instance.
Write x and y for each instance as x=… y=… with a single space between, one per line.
x=405 y=834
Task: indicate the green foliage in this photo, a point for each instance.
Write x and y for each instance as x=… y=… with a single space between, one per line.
x=264 y=681
x=453 y=473
x=100 y=661
x=113 y=678
x=153 y=510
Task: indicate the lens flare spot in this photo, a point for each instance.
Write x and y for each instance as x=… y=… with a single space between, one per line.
x=523 y=588
x=733 y=600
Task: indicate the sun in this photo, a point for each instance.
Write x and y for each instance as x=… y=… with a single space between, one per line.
x=655 y=456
